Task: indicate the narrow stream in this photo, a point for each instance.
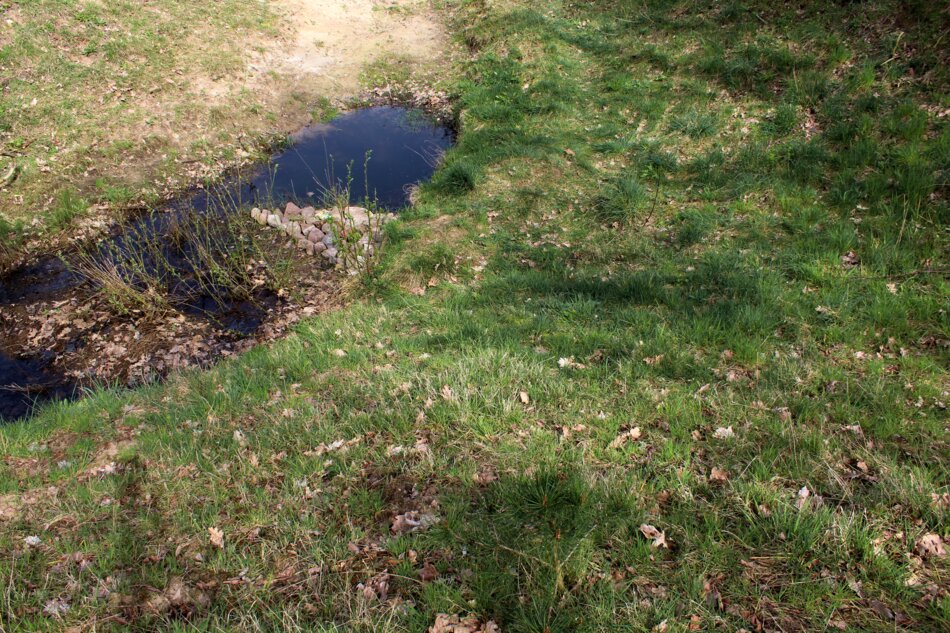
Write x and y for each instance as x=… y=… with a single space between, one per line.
x=385 y=149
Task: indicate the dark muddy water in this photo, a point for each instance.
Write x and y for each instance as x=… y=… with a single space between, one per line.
x=403 y=147
x=25 y=382
x=380 y=151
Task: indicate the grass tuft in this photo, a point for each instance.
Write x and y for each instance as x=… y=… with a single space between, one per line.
x=455 y=179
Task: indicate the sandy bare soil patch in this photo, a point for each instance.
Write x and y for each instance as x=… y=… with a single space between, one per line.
x=333 y=39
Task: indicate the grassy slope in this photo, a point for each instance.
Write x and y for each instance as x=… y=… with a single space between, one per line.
x=104 y=99
x=742 y=235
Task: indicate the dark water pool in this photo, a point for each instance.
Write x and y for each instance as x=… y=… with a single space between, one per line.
x=380 y=151
x=387 y=148
x=24 y=382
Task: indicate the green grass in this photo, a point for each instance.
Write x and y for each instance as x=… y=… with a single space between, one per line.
x=781 y=275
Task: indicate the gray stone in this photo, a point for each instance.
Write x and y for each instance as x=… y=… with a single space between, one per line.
x=292 y=210
x=319 y=247
x=316 y=236
x=357 y=217
x=273 y=220
x=307 y=228
x=328 y=239
x=330 y=253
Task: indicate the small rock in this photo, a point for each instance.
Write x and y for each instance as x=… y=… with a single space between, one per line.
x=357 y=217
x=319 y=247
x=330 y=253
x=307 y=228
x=293 y=229
x=292 y=210
x=328 y=240
x=316 y=236
x=274 y=220
x=308 y=212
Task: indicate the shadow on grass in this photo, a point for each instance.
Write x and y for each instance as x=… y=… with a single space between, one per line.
x=534 y=548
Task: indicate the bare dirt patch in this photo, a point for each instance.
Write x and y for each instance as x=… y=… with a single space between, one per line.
x=333 y=39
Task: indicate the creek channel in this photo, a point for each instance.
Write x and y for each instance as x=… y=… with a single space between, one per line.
x=384 y=149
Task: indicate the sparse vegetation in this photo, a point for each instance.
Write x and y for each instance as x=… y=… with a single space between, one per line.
x=359 y=240
x=666 y=381
x=177 y=259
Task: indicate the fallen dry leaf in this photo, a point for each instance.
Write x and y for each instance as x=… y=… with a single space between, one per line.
x=623 y=437
x=412 y=522
x=445 y=623
x=376 y=588
x=940 y=500
x=428 y=573
x=931 y=545
x=56 y=607
x=724 y=433
x=216 y=537
x=569 y=363
x=485 y=476
x=882 y=610
x=718 y=475
x=802 y=497
x=178 y=595
x=657 y=536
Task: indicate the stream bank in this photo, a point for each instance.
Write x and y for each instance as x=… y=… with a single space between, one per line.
x=199 y=279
